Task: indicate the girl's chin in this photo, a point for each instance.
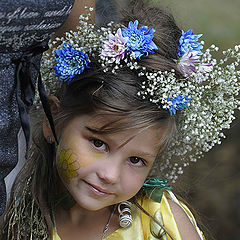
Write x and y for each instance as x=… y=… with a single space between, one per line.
x=93 y=207
x=91 y=203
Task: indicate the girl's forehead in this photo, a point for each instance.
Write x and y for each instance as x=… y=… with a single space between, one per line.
x=97 y=124
x=104 y=122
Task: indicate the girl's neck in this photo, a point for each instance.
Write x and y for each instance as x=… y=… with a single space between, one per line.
x=64 y=200
x=66 y=206
x=88 y=224
x=71 y=219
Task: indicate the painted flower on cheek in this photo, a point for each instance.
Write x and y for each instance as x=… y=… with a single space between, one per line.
x=67 y=164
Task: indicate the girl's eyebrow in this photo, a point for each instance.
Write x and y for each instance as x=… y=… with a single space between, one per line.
x=145 y=154
x=92 y=130
x=99 y=133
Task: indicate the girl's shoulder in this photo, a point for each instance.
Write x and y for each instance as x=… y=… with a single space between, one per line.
x=174 y=215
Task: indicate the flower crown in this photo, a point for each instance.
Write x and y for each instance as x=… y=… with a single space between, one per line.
x=206 y=93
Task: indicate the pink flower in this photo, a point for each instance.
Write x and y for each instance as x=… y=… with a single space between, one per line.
x=115 y=46
x=188 y=62
x=203 y=68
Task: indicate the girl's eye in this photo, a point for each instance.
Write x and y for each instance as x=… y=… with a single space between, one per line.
x=98 y=144
x=136 y=161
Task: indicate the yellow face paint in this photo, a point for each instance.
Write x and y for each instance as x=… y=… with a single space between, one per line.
x=67 y=164
x=86 y=159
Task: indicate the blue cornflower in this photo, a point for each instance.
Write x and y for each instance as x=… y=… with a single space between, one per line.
x=70 y=62
x=189 y=41
x=140 y=40
x=178 y=103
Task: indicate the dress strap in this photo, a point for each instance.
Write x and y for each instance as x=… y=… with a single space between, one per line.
x=174 y=199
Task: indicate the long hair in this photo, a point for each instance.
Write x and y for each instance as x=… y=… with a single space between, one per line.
x=93 y=92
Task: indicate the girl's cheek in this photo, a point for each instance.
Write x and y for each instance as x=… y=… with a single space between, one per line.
x=72 y=158
x=88 y=158
x=87 y=155
x=133 y=180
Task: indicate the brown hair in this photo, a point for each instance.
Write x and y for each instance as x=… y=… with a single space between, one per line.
x=93 y=92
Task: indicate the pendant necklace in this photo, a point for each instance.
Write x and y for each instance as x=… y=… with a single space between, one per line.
x=106 y=228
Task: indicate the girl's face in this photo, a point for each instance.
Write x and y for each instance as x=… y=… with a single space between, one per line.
x=102 y=170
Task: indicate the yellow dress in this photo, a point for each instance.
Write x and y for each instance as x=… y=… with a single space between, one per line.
x=143 y=228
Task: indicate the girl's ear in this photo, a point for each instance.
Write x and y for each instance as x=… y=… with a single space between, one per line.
x=47 y=131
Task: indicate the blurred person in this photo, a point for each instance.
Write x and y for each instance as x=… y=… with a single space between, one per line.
x=26 y=27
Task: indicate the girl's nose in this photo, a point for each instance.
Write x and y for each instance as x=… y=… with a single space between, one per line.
x=110 y=171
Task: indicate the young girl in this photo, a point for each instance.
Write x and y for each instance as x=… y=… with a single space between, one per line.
x=96 y=174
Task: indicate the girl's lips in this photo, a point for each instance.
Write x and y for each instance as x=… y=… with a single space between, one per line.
x=97 y=190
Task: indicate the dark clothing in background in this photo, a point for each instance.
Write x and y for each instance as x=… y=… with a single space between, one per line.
x=23 y=24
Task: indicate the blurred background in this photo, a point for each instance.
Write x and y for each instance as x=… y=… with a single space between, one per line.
x=212 y=185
